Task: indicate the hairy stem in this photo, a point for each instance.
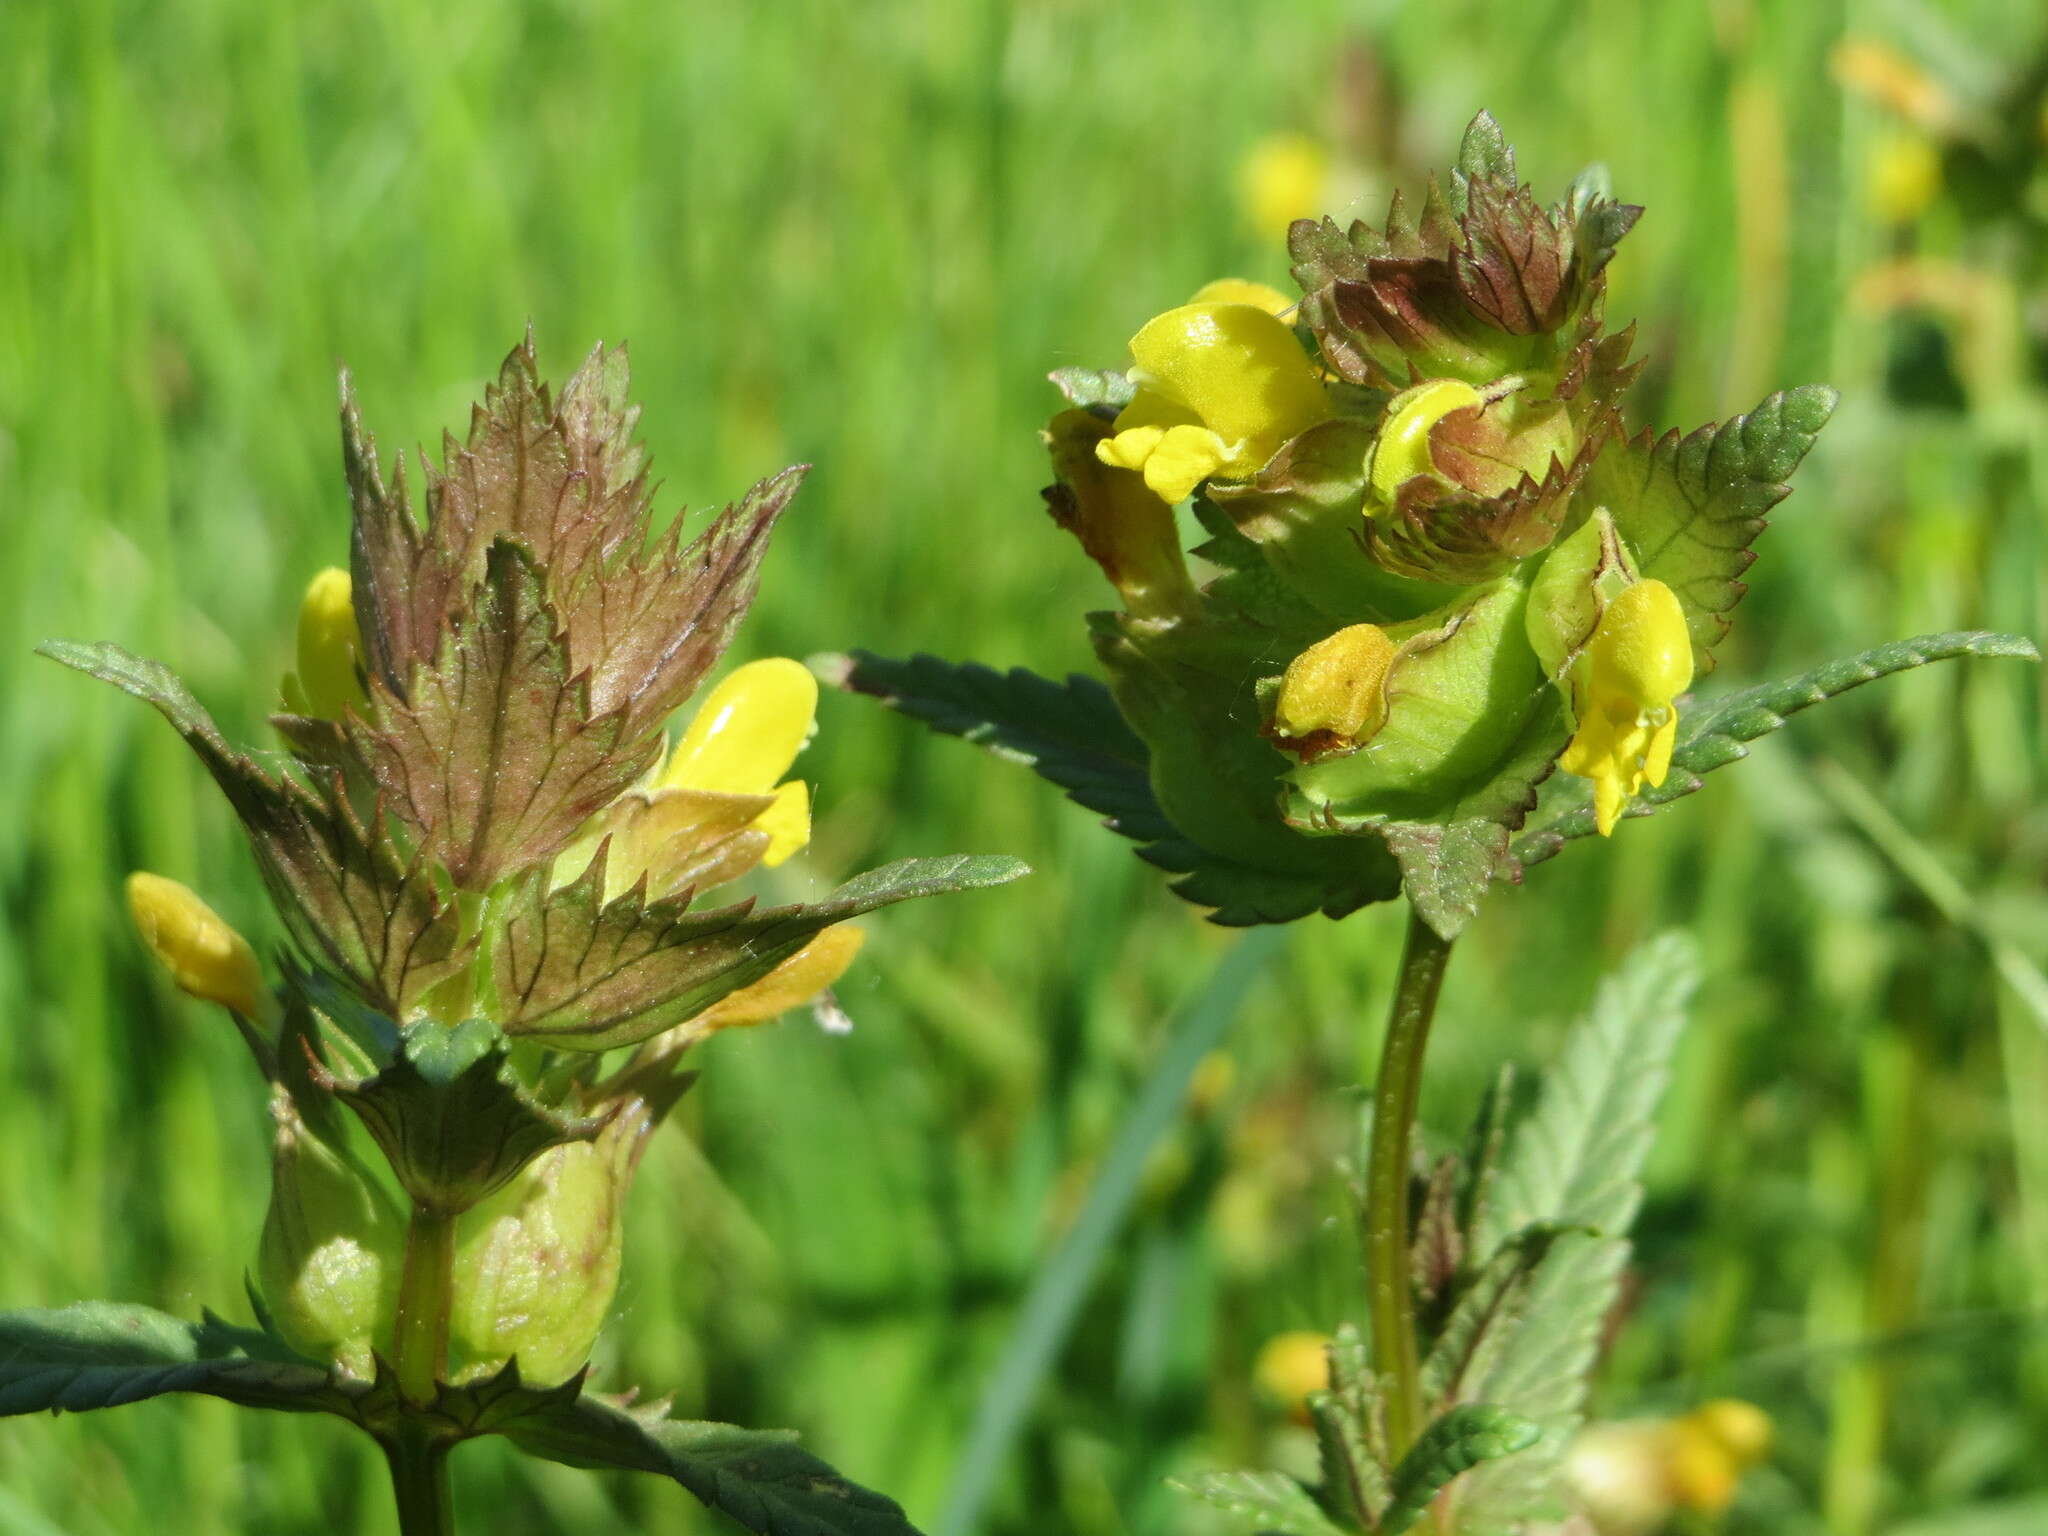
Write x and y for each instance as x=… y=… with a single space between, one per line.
x=1390 y=1297
x=425 y=1294
x=419 y=1482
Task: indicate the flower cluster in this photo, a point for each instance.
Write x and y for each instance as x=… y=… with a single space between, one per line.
x=1437 y=567
x=497 y=875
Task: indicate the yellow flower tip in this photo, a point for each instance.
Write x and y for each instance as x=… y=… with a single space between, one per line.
x=787 y=822
x=748 y=730
x=1744 y=1430
x=799 y=979
x=1903 y=179
x=1290 y=1366
x=1625 y=685
x=1401 y=452
x=1239 y=290
x=1282 y=178
x=1336 y=688
x=205 y=957
x=327 y=681
x=1221 y=387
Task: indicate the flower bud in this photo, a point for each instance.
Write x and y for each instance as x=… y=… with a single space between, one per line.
x=1125 y=528
x=1220 y=388
x=332 y=1251
x=1334 y=694
x=205 y=957
x=1291 y=1366
x=537 y=1263
x=1401 y=451
x=1624 y=686
x=328 y=681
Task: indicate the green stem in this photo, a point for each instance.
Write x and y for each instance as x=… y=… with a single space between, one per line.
x=425 y=1294
x=1390 y=1298
x=419 y=1483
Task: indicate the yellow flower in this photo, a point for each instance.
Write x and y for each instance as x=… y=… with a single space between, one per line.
x=327 y=681
x=205 y=957
x=1291 y=1366
x=1221 y=386
x=1633 y=1475
x=1283 y=178
x=802 y=977
x=1903 y=178
x=1401 y=451
x=1336 y=686
x=1240 y=290
x=743 y=739
x=1624 y=684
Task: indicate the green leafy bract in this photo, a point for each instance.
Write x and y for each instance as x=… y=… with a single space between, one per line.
x=1269 y=1503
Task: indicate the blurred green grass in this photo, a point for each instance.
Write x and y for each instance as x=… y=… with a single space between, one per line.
x=858 y=236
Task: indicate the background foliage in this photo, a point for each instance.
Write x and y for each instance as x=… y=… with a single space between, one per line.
x=859 y=235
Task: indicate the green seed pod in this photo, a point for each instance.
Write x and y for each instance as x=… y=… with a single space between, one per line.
x=332 y=1248
x=537 y=1263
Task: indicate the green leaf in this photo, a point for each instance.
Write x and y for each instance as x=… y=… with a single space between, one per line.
x=104 y=1354
x=1453 y=1445
x=1351 y=1438
x=1691 y=507
x=577 y=972
x=761 y=1478
x=1269 y=1503
x=1712 y=734
x=1571 y=1170
x=1488 y=1309
x=1072 y=734
x=1100 y=390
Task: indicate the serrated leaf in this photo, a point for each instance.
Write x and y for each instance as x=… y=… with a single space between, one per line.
x=1487 y=1310
x=1691 y=507
x=1067 y=732
x=1456 y=1443
x=1269 y=1503
x=761 y=1478
x=341 y=885
x=1713 y=733
x=494 y=757
x=561 y=477
x=1572 y=1168
x=574 y=971
x=1072 y=734
x=450 y=1115
x=103 y=1354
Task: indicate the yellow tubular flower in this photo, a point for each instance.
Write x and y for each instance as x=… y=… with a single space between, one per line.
x=205 y=957
x=1623 y=687
x=1221 y=387
x=791 y=984
x=326 y=683
x=1401 y=452
x=1338 y=685
x=743 y=739
x=1290 y=1366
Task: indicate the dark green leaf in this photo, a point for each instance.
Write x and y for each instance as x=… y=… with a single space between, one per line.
x=577 y=972
x=761 y=1478
x=1453 y=1445
x=103 y=1354
x=1269 y=1503
x=1712 y=733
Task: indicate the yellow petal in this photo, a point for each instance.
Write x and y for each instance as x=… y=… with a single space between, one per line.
x=1291 y=1366
x=1239 y=369
x=748 y=731
x=790 y=985
x=787 y=821
x=1238 y=290
x=1181 y=460
x=1642 y=647
x=205 y=957
x=1402 y=449
x=1130 y=448
x=329 y=643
